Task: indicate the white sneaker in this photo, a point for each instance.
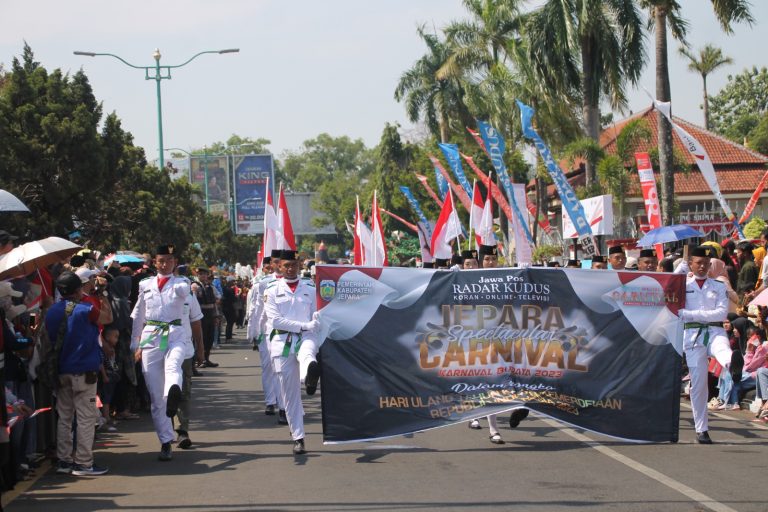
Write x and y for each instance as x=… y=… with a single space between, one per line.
x=714 y=404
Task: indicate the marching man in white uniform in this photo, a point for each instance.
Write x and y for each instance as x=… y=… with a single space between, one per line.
x=290 y=306
x=257 y=333
x=706 y=307
x=161 y=342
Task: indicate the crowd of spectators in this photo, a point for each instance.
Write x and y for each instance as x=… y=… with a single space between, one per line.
x=25 y=342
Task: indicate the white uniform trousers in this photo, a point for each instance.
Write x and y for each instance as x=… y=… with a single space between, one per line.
x=162 y=369
x=269 y=382
x=306 y=354
x=287 y=370
x=696 y=357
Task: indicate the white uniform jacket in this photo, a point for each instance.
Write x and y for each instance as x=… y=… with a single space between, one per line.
x=192 y=313
x=160 y=313
x=703 y=305
x=255 y=311
x=286 y=313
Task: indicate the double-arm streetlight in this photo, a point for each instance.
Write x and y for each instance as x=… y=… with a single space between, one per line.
x=157 y=73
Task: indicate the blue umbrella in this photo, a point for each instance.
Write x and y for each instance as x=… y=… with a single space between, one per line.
x=665 y=234
x=123 y=259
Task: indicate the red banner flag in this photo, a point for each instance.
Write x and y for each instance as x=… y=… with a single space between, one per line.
x=650 y=196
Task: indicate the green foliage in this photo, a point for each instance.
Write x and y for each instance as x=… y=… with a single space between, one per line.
x=754 y=227
x=403 y=248
x=737 y=108
x=758 y=136
x=335 y=168
x=543 y=253
x=76 y=171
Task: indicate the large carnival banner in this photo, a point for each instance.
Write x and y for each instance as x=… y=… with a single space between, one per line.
x=252 y=174
x=211 y=175
x=408 y=350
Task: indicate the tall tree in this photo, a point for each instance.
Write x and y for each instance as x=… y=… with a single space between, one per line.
x=708 y=60
x=737 y=108
x=666 y=14
x=427 y=97
x=604 y=38
x=335 y=168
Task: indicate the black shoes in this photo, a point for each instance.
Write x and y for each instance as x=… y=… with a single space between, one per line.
x=210 y=364
x=313 y=375
x=298 y=447
x=282 y=419
x=196 y=373
x=518 y=415
x=703 y=438
x=172 y=404
x=165 y=452
x=270 y=410
x=183 y=441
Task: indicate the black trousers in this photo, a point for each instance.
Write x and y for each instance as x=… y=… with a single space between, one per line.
x=208 y=324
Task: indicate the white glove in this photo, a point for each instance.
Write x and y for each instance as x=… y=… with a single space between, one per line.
x=310 y=326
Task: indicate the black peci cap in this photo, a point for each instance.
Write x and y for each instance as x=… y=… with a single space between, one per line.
x=702 y=251
x=456 y=259
x=164 y=250
x=288 y=255
x=598 y=259
x=276 y=254
x=616 y=249
x=491 y=250
x=647 y=253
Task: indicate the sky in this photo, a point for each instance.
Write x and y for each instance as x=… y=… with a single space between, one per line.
x=305 y=67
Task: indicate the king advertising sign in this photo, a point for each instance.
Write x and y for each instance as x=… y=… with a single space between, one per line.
x=408 y=350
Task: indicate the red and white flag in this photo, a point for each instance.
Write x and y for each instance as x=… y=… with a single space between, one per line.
x=284 y=233
x=271 y=226
x=476 y=214
x=379 y=245
x=447 y=228
x=362 y=236
x=487 y=236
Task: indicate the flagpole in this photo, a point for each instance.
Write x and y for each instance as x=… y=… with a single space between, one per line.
x=471 y=217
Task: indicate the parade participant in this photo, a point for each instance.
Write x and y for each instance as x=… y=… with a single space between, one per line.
x=206 y=297
x=442 y=263
x=647 y=261
x=469 y=260
x=706 y=307
x=573 y=264
x=617 y=259
x=255 y=332
x=598 y=262
x=73 y=324
x=159 y=341
x=290 y=306
x=489 y=258
x=191 y=320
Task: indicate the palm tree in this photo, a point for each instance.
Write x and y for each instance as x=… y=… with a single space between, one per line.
x=665 y=14
x=426 y=96
x=597 y=42
x=709 y=59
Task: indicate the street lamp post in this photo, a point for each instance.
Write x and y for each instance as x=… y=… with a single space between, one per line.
x=157 y=73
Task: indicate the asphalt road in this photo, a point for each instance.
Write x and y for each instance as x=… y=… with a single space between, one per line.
x=242 y=460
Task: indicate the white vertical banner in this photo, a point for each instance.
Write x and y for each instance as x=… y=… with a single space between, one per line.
x=523 y=252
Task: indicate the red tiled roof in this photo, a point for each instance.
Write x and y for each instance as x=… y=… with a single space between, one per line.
x=738 y=168
x=720 y=149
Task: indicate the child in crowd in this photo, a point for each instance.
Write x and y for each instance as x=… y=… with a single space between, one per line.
x=110 y=375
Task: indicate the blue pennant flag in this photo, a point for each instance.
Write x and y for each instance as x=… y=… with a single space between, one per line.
x=417 y=208
x=495 y=147
x=564 y=189
x=442 y=184
x=451 y=152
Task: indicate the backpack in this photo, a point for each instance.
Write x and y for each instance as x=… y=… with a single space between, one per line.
x=48 y=369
